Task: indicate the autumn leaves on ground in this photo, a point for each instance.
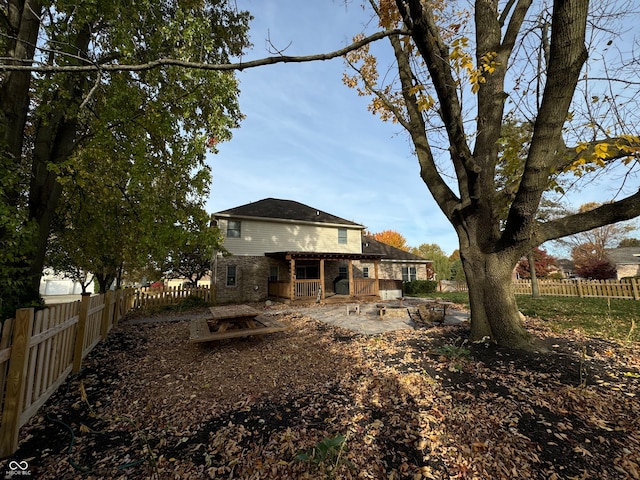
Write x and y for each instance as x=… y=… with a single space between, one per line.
x=317 y=401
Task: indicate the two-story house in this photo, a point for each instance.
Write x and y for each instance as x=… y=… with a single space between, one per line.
x=287 y=250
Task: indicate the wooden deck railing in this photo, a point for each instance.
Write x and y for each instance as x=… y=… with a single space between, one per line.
x=307 y=288
x=303 y=288
x=362 y=287
x=279 y=288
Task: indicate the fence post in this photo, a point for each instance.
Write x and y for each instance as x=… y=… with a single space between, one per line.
x=107 y=314
x=118 y=303
x=634 y=286
x=15 y=385
x=82 y=325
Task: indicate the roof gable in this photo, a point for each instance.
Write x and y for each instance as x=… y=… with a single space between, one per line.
x=277 y=209
x=624 y=256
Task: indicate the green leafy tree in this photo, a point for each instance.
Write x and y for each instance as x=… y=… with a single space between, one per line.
x=55 y=128
x=441 y=264
x=119 y=224
x=457 y=271
x=191 y=254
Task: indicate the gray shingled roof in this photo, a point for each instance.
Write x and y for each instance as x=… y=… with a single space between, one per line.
x=624 y=256
x=284 y=210
x=372 y=246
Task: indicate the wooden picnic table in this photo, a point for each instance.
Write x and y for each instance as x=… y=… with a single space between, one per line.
x=444 y=306
x=435 y=305
x=232 y=321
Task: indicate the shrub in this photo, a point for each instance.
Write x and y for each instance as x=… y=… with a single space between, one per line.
x=193 y=302
x=419 y=287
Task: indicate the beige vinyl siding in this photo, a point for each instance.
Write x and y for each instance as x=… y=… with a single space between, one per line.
x=259 y=237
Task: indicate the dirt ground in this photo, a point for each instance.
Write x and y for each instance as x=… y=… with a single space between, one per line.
x=318 y=401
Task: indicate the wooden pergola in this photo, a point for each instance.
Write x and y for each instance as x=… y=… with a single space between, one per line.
x=361 y=287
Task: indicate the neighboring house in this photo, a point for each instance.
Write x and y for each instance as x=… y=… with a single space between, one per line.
x=287 y=250
x=626 y=260
x=566 y=267
x=58 y=284
x=181 y=282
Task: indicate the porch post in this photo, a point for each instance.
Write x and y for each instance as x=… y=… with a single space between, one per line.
x=322 y=278
x=292 y=280
x=350 y=278
x=376 y=289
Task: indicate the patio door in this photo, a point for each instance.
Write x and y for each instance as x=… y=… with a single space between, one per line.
x=307 y=270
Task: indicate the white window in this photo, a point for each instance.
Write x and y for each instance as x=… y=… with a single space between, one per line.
x=231 y=275
x=342 y=235
x=409 y=274
x=233 y=229
x=365 y=272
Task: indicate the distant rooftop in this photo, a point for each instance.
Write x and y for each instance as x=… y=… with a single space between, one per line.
x=284 y=210
x=372 y=246
x=625 y=255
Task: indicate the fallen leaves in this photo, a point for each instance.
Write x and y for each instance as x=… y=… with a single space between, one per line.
x=150 y=405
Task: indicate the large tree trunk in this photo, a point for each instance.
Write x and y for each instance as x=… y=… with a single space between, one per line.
x=535 y=291
x=104 y=281
x=23 y=25
x=494 y=312
x=21 y=28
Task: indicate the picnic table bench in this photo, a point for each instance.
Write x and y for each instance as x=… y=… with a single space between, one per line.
x=232 y=321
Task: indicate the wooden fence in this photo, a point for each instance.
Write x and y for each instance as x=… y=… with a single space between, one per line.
x=40 y=348
x=626 y=289
x=151 y=297
x=365 y=287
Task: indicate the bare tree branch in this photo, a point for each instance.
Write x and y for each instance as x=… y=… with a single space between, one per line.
x=166 y=62
x=622 y=210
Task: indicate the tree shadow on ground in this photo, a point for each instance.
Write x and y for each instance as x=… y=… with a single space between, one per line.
x=411 y=404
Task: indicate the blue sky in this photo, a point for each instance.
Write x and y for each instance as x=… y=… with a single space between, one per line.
x=309 y=138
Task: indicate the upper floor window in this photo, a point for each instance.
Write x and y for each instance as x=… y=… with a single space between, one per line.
x=233 y=229
x=342 y=235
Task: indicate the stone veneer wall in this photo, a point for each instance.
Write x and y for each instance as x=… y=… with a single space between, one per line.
x=394 y=270
x=252 y=276
x=388 y=271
